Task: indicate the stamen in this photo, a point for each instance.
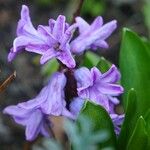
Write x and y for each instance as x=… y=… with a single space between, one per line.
x=56 y=46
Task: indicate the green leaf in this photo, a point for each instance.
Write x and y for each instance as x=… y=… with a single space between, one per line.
x=139 y=138
x=50 y=67
x=103 y=65
x=146 y=12
x=147 y=120
x=146 y=44
x=129 y=120
x=134 y=67
x=100 y=121
x=90 y=59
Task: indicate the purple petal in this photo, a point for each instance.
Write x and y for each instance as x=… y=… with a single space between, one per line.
x=100 y=44
x=68 y=114
x=36 y=102
x=45 y=31
x=117 y=119
x=102 y=33
x=38 y=48
x=25 y=26
x=112 y=75
x=110 y=89
x=83 y=93
x=66 y=38
x=59 y=27
x=106 y=30
x=49 y=54
x=88 y=38
x=23 y=42
x=80 y=44
x=16 y=111
x=104 y=101
x=55 y=101
x=66 y=57
x=12 y=55
x=98 y=98
x=84 y=78
x=97 y=23
x=20 y=41
x=68 y=34
x=114 y=100
x=82 y=24
x=44 y=130
x=21 y=120
x=51 y=24
x=117 y=129
x=33 y=126
x=96 y=74
x=71 y=28
x=76 y=105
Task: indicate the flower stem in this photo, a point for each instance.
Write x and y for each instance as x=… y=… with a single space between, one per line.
x=78 y=11
x=7 y=81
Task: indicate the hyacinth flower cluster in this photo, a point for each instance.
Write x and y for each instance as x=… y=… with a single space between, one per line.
x=68 y=88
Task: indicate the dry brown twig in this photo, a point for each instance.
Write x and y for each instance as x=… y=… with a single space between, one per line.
x=5 y=84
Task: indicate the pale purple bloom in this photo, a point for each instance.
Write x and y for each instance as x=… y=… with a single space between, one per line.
x=98 y=87
x=101 y=89
x=33 y=119
x=92 y=36
x=51 y=99
x=49 y=41
x=49 y=102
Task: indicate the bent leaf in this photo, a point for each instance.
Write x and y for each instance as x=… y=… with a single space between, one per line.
x=101 y=121
x=139 y=139
x=134 y=66
x=129 y=121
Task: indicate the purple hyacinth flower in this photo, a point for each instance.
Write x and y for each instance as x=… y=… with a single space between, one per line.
x=51 y=99
x=101 y=89
x=33 y=119
x=49 y=102
x=98 y=87
x=92 y=36
x=49 y=41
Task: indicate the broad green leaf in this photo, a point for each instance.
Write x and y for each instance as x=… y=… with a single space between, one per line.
x=135 y=70
x=100 y=121
x=146 y=44
x=147 y=120
x=129 y=121
x=103 y=65
x=87 y=63
x=50 y=67
x=146 y=12
x=139 y=138
x=90 y=59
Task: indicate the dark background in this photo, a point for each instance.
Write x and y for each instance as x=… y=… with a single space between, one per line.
x=129 y=13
